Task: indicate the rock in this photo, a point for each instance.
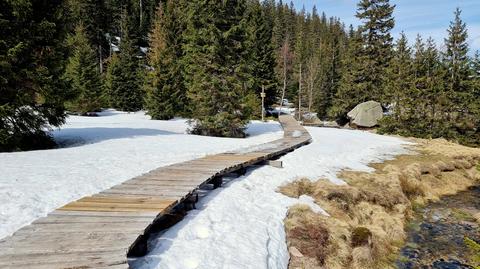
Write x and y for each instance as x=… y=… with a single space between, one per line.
x=366 y=114
x=295 y=252
x=331 y=124
x=451 y=264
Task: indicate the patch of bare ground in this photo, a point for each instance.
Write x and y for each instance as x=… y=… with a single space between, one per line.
x=365 y=228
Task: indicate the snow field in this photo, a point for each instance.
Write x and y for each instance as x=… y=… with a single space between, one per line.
x=98 y=153
x=241 y=224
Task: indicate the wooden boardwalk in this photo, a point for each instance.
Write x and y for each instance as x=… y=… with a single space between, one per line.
x=98 y=231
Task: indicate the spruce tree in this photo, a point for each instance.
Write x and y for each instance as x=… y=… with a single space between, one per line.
x=124 y=76
x=461 y=111
x=456 y=55
x=166 y=96
x=401 y=77
x=475 y=71
x=215 y=66
x=432 y=97
x=83 y=75
x=330 y=52
x=354 y=86
x=378 y=21
x=32 y=90
x=92 y=14
x=260 y=53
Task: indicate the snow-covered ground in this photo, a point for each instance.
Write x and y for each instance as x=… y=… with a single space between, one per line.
x=241 y=224
x=100 y=152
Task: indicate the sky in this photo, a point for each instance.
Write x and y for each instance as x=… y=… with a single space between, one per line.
x=425 y=17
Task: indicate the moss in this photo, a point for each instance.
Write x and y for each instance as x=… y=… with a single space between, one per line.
x=361 y=236
x=478 y=167
x=417 y=206
x=412 y=245
x=462 y=215
x=402 y=259
x=474 y=251
x=414 y=226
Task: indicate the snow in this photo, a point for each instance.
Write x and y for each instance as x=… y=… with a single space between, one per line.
x=297 y=133
x=98 y=153
x=240 y=225
x=310 y=202
x=282 y=110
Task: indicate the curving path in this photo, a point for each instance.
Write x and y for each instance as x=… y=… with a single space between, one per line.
x=98 y=231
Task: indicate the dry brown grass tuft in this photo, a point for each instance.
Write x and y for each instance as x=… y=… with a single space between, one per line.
x=411 y=187
x=367 y=217
x=298 y=188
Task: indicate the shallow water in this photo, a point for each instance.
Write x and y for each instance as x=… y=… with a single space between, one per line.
x=436 y=235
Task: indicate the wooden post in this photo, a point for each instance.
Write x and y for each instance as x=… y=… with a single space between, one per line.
x=263 y=95
x=217 y=182
x=300 y=94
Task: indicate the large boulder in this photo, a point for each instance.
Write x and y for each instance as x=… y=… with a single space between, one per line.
x=366 y=114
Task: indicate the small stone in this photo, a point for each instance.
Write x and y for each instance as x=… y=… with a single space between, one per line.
x=295 y=252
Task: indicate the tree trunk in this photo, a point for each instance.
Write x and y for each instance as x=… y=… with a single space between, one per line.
x=141 y=13
x=100 y=58
x=284 y=80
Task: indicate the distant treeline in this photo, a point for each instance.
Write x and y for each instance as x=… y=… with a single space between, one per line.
x=208 y=60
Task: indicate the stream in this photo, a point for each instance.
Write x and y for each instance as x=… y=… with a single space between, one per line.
x=436 y=235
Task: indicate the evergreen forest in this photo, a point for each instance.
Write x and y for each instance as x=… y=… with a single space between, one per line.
x=208 y=60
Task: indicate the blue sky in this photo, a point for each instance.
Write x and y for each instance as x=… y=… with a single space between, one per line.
x=427 y=17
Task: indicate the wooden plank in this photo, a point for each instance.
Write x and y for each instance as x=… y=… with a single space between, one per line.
x=104 y=227
x=158 y=186
x=126 y=200
x=143 y=192
x=93 y=219
x=104 y=204
x=103 y=214
x=162 y=190
x=98 y=259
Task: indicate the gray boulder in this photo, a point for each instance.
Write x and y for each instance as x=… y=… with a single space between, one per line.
x=366 y=114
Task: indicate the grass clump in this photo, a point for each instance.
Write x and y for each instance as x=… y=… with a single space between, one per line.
x=298 y=188
x=313 y=240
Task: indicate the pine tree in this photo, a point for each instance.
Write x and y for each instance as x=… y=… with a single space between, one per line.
x=166 y=96
x=32 y=92
x=124 y=76
x=215 y=66
x=83 y=75
x=378 y=21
